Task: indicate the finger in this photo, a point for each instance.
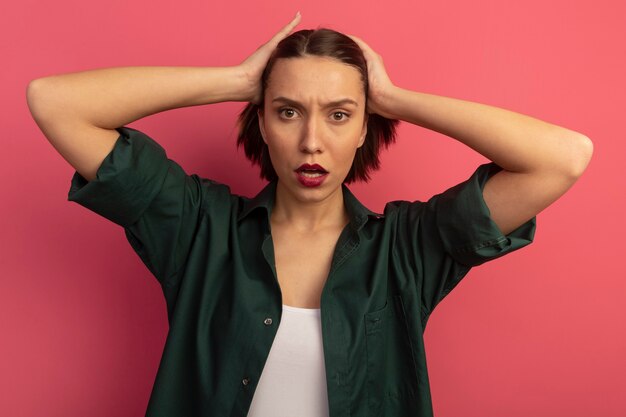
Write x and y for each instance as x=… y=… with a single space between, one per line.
x=368 y=52
x=287 y=28
x=360 y=42
x=356 y=39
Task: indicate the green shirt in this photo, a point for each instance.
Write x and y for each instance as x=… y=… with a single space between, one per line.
x=212 y=253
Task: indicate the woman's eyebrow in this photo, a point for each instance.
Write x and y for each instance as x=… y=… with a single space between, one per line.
x=334 y=103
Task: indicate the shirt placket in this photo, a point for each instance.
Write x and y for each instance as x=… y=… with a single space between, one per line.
x=334 y=331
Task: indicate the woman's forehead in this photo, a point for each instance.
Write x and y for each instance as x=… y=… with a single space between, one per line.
x=315 y=78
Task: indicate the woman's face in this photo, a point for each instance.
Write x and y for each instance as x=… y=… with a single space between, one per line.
x=313 y=121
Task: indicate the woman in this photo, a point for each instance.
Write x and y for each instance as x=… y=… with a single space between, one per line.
x=352 y=290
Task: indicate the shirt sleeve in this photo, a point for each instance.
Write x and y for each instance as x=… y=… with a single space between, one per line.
x=150 y=196
x=454 y=232
x=467 y=230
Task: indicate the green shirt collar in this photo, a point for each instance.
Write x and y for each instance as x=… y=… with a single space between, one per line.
x=359 y=214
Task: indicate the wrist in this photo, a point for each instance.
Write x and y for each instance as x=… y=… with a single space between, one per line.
x=386 y=101
x=243 y=88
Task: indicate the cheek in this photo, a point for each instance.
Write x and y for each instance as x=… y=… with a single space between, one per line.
x=344 y=154
x=278 y=131
x=279 y=150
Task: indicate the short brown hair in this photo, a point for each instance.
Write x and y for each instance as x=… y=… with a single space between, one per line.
x=325 y=43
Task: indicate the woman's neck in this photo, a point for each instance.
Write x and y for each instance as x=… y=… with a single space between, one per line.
x=309 y=215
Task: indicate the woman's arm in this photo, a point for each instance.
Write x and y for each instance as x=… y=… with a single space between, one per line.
x=540 y=161
x=79 y=112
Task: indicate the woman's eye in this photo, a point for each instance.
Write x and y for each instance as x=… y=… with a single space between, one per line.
x=288 y=113
x=341 y=116
x=337 y=116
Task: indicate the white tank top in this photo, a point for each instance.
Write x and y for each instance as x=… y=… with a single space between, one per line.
x=293 y=380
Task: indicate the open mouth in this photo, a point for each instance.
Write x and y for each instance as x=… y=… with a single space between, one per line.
x=311 y=175
x=311 y=171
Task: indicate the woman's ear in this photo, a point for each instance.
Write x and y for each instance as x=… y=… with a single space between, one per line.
x=363 y=131
x=261 y=123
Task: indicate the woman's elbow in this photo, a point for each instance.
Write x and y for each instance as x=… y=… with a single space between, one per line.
x=582 y=156
x=38 y=98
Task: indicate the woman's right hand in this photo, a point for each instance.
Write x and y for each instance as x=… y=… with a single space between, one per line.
x=255 y=64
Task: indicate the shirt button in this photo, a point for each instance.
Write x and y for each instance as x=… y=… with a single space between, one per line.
x=245 y=381
x=268 y=321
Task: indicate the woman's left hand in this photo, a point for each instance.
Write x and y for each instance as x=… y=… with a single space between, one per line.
x=380 y=86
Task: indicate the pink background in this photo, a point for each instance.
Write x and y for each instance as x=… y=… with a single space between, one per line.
x=540 y=332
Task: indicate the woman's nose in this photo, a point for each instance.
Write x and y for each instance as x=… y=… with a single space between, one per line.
x=310 y=141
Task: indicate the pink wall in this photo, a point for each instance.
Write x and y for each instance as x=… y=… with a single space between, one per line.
x=539 y=332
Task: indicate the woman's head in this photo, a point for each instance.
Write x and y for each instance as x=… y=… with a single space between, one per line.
x=308 y=69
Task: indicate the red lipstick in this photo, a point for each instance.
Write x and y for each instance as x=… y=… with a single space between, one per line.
x=311 y=175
